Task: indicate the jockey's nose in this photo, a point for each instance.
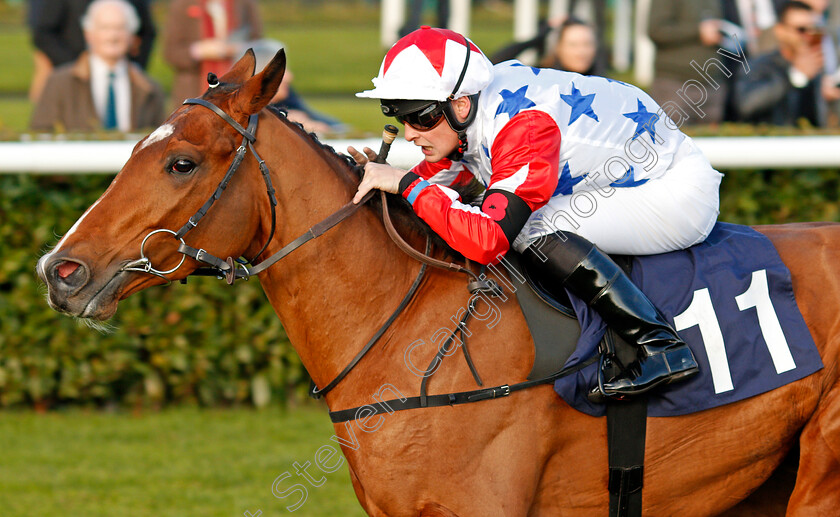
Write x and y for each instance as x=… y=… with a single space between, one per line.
x=64 y=274
x=410 y=133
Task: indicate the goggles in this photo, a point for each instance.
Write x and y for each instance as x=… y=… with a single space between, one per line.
x=424 y=119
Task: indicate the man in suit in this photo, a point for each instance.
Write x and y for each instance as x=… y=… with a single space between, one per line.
x=101 y=89
x=57 y=31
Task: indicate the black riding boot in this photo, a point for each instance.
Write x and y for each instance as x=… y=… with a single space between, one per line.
x=592 y=276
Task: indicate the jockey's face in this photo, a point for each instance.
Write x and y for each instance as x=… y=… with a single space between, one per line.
x=440 y=141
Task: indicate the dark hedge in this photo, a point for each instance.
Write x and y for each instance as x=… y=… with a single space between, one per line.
x=207 y=343
x=204 y=342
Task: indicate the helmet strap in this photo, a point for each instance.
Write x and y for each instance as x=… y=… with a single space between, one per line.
x=459 y=151
x=463 y=70
x=456 y=125
x=461 y=127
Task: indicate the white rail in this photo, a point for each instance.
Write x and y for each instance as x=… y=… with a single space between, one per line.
x=760 y=152
x=77 y=157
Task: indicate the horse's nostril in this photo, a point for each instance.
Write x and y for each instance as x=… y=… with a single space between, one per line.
x=66 y=268
x=69 y=274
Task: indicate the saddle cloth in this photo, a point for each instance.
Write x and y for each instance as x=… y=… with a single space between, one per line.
x=731 y=299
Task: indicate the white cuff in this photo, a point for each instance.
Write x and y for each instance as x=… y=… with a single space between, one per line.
x=797 y=78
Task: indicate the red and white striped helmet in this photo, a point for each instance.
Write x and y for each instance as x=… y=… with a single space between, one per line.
x=427 y=64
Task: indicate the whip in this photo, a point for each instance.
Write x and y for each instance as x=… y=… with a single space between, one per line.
x=389 y=134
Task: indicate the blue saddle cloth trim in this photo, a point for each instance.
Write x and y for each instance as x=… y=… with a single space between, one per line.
x=723 y=265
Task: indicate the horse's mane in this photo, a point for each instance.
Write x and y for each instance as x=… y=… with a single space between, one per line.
x=404 y=218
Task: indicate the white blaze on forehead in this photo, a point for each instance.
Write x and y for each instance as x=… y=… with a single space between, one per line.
x=158 y=135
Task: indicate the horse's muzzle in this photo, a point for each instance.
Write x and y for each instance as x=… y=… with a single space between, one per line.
x=66 y=279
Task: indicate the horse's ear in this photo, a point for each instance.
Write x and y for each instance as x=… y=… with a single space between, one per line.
x=242 y=70
x=258 y=91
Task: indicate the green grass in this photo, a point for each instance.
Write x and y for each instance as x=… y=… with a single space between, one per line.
x=15 y=60
x=178 y=462
x=15 y=113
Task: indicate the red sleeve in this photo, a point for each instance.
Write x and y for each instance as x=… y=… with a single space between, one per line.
x=443 y=172
x=526 y=158
x=525 y=171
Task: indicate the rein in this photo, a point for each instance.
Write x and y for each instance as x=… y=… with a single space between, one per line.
x=229 y=268
x=477 y=282
x=232 y=269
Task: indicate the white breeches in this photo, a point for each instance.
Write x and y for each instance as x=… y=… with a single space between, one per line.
x=672 y=212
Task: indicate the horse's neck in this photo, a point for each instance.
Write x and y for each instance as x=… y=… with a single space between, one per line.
x=335 y=291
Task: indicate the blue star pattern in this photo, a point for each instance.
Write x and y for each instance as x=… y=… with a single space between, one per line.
x=514 y=102
x=535 y=70
x=615 y=81
x=486 y=151
x=628 y=180
x=645 y=121
x=565 y=183
x=580 y=104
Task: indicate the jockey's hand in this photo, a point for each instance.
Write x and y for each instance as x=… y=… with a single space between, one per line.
x=379 y=176
x=362 y=159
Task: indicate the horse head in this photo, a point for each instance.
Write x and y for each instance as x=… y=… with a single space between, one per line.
x=168 y=176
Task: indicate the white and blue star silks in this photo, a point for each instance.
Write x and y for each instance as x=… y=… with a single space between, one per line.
x=613 y=135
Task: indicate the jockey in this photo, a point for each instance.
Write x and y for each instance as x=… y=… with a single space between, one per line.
x=569 y=163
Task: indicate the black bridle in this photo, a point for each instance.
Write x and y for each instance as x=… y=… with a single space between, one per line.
x=231 y=268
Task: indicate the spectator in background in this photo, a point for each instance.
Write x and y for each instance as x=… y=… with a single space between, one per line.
x=102 y=89
x=575 y=49
x=749 y=32
x=542 y=43
x=205 y=36
x=57 y=36
x=288 y=99
x=682 y=32
x=829 y=104
x=299 y=111
x=785 y=85
x=753 y=22
x=415 y=15
x=41 y=65
x=564 y=44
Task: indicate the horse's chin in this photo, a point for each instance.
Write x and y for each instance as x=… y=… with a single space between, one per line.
x=97 y=311
x=99 y=308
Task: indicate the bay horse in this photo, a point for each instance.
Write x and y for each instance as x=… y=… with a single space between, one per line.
x=524 y=454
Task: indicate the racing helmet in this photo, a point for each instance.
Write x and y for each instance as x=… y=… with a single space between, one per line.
x=425 y=70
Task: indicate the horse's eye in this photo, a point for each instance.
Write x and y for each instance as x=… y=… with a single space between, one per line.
x=182 y=166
